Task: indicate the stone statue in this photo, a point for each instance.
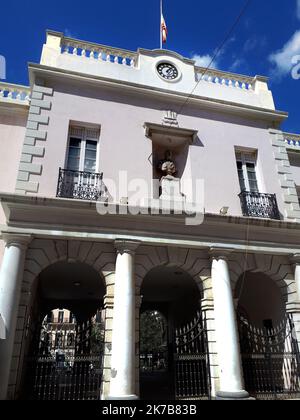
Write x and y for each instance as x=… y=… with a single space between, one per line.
x=169 y=184
x=167 y=165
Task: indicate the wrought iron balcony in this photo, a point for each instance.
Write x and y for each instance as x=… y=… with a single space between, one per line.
x=255 y=204
x=80 y=185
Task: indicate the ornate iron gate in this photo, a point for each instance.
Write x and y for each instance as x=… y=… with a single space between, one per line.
x=191 y=359
x=68 y=362
x=271 y=361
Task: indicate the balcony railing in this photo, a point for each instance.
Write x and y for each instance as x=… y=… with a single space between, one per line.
x=80 y=185
x=18 y=93
x=255 y=204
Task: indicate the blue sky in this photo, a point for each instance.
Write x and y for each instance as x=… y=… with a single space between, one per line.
x=264 y=43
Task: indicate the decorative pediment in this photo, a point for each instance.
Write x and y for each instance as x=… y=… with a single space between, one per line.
x=167 y=135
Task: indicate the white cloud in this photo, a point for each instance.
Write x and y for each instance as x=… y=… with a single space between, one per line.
x=204 y=61
x=298 y=9
x=255 y=43
x=282 y=59
x=238 y=63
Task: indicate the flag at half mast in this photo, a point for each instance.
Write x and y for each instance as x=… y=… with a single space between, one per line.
x=163 y=28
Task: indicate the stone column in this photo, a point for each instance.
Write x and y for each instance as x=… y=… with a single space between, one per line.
x=294 y=306
x=11 y=275
x=296 y=261
x=231 y=378
x=122 y=382
x=108 y=307
x=138 y=304
x=207 y=307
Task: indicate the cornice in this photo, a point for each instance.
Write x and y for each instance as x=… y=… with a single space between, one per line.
x=18 y=107
x=176 y=132
x=147 y=227
x=167 y=53
x=38 y=70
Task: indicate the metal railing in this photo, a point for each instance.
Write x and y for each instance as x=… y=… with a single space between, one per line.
x=270 y=358
x=80 y=185
x=255 y=204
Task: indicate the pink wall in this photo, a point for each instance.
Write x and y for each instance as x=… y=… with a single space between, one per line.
x=123 y=145
x=12 y=133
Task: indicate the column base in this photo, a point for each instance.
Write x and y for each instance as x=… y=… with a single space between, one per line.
x=240 y=395
x=122 y=398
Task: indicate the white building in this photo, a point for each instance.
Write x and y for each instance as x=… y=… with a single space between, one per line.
x=224 y=273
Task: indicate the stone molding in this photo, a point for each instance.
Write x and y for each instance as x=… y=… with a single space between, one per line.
x=293 y=307
x=287 y=183
x=295 y=259
x=220 y=253
x=20 y=241
x=128 y=247
x=36 y=130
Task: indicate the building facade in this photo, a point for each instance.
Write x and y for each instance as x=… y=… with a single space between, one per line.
x=134 y=182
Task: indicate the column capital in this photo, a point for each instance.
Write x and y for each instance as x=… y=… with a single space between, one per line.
x=124 y=246
x=220 y=253
x=19 y=240
x=295 y=258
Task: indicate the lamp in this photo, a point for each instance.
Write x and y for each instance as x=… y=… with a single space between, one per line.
x=224 y=211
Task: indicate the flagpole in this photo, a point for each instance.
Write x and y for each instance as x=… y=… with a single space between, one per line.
x=161 y=13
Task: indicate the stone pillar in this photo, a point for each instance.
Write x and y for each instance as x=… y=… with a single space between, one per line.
x=294 y=306
x=231 y=378
x=108 y=307
x=207 y=307
x=296 y=261
x=11 y=275
x=138 y=304
x=122 y=382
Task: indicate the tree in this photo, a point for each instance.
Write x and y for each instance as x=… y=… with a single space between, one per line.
x=153 y=331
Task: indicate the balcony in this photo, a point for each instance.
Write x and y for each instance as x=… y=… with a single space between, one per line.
x=255 y=204
x=80 y=185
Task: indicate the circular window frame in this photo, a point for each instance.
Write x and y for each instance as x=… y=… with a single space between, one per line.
x=178 y=78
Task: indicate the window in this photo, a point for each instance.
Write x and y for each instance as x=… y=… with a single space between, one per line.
x=59 y=340
x=61 y=317
x=294 y=158
x=71 y=340
x=72 y=318
x=83 y=149
x=246 y=166
x=49 y=318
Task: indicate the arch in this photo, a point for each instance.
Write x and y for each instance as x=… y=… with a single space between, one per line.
x=171 y=281
x=43 y=253
x=195 y=263
x=278 y=268
x=259 y=299
x=75 y=284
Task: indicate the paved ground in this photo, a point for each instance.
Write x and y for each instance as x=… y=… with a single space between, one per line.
x=157 y=386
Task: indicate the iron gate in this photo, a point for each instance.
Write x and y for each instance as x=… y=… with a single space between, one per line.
x=68 y=362
x=271 y=362
x=192 y=367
